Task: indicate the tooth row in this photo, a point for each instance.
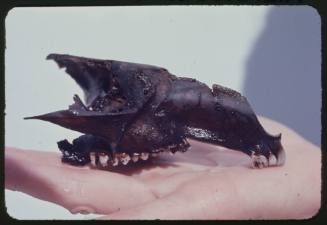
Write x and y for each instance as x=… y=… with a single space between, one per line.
x=103 y=159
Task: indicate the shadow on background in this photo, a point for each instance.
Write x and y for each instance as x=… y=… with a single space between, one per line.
x=283 y=73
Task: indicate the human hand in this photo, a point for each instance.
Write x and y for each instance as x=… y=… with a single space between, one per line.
x=206 y=182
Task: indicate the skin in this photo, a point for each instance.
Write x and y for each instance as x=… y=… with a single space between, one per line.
x=207 y=182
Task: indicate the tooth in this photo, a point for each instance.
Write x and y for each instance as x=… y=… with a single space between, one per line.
x=259 y=161
x=103 y=158
x=281 y=157
x=135 y=157
x=272 y=159
x=125 y=158
x=144 y=155
x=254 y=158
x=115 y=161
x=263 y=160
x=93 y=158
x=255 y=162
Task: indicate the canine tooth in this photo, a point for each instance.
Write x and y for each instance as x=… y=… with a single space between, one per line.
x=125 y=158
x=135 y=157
x=272 y=160
x=281 y=158
x=103 y=158
x=144 y=155
x=93 y=158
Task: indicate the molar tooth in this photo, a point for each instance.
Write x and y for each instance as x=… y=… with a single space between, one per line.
x=115 y=161
x=93 y=158
x=255 y=162
x=103 y=158
x=125 y=158
x=144 y=155
x=259 y=161
x=135 y=157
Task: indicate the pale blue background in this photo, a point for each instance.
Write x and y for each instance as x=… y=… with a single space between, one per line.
x=270 y=54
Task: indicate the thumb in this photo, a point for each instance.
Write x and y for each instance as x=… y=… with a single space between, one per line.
x=43 y=176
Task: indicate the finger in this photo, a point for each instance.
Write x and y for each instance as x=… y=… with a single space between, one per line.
x=163 y=209
x=77 y=189
x=200 y=198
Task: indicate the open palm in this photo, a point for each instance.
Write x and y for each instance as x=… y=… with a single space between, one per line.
x=207 y=182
